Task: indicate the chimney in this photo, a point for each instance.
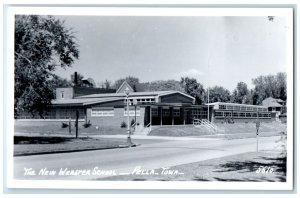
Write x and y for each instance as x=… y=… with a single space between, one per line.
x=75 y=79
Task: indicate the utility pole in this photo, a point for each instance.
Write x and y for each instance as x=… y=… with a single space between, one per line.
x=70 y=125
x=76 y=123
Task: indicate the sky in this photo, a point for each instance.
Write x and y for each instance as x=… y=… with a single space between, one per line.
x=215 y=50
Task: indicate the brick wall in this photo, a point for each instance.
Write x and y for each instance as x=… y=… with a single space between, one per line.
x=115 y=120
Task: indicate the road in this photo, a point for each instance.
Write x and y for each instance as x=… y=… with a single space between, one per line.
x=125 y=160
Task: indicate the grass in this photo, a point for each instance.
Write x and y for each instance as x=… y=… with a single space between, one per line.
x=50 y=128
x=24 y=145
x=179 y=131
x=228 y=131
x=239 y=168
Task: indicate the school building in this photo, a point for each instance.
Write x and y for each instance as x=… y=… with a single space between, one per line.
x=146 y=108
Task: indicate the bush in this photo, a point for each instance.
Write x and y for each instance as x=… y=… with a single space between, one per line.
x=87 y=125
x=123 y=125
x=64 y=125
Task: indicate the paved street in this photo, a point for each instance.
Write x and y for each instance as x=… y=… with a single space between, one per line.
x=148 y=156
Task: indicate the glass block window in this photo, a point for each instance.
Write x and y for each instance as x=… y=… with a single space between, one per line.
x=132 y=111
x=102 y=112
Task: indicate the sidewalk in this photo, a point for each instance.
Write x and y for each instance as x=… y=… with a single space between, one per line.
x=153 y=137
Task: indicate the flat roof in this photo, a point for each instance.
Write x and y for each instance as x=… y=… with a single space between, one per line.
x=234 y=104
x=83 y=101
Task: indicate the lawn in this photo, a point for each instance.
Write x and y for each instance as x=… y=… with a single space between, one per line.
x=55 y=128
x=30 y=145
x=228 y=131
x=179 y=131
x=240 y=168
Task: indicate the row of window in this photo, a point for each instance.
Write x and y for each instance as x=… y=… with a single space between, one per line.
x=99 y=112
x=165 y=112
x=241 y=114
x=141 y=101
x=242 y=108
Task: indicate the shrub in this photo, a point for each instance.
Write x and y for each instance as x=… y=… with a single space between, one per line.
x=123 y=125
x=87 y=125
x=64 y=125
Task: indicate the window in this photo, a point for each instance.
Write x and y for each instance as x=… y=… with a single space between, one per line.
x=235 y=114
x=154 y=112
x=254 y=115
x=132 y=111
x=62 y=95
x=222 y=107
x=237 y=108
x=248 y=115
x=227 y=114
x=102 y=112
x=243 y=108
x=229 y=107
x=219 y=114
x=242 y=114
x=249 y=108
x=166 y=112
x=176 y=112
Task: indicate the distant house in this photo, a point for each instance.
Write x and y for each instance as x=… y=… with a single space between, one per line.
x=277 y=107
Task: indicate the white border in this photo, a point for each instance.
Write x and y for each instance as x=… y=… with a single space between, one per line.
x=12 y=183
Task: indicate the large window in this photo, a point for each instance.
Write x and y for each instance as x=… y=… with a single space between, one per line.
x=166 y=112
x=219 y=114
x=102 y=112
x=154 y=112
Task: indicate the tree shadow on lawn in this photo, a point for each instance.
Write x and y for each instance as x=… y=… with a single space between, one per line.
x=251 y=166
x=261 y=179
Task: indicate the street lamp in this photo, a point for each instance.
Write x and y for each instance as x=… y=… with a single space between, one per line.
x=128 y=124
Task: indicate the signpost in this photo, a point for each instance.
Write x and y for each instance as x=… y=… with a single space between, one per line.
x=76 y=123
x=257 y=130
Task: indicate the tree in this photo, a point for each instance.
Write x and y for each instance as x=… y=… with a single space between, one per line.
x=218 y=94
x=162 y=85
x=240 y=94
x=107 y=84
x=57 y=81
x=42 y=43
x=269 y=86
x=193 y=88
x=132 y=81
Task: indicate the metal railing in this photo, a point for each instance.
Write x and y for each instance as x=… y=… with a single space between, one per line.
x=206 y=124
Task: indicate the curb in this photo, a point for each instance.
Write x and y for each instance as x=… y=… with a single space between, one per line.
x=67 y=151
